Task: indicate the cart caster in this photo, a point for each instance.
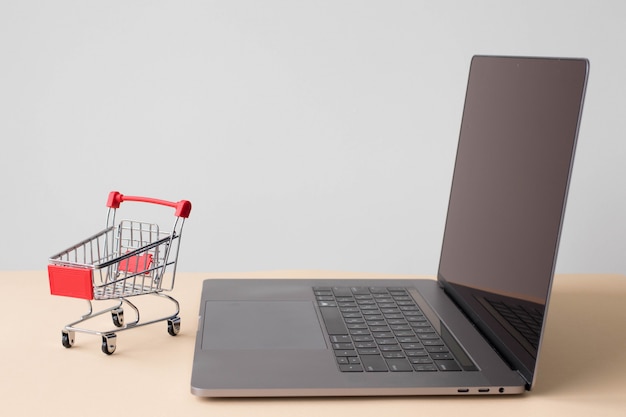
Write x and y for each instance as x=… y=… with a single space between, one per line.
x=173 y=326
x=67 y=338
x=118 y=317
x=109 y=343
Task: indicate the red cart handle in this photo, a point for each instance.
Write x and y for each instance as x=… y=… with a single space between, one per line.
x=183 y=207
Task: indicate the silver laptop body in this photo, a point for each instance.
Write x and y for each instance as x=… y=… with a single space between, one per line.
x=476 y=329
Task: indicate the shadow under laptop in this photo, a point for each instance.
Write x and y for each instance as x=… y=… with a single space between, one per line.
x=585 y=341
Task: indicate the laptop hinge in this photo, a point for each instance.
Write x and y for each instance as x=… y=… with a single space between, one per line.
x=510 y=359
x=527 y=384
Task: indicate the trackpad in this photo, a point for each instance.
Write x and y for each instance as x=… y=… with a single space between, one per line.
x=261 y=325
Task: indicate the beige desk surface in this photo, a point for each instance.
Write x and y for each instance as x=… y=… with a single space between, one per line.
x=582 y=368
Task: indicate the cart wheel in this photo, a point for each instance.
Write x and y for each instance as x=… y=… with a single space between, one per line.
x=109 y=343
x=173 y=326
x=67 y=338
x=118 y=317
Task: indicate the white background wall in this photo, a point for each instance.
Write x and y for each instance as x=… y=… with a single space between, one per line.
x=307 y=134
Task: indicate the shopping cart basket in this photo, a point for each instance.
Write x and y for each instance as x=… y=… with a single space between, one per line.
x=126 y=259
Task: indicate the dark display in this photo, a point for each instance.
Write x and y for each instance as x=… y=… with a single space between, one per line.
x=514 y=159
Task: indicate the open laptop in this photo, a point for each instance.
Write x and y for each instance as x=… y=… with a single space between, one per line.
x=477 y=329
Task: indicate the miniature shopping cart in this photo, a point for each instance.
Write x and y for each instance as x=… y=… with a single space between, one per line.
x=126 y=259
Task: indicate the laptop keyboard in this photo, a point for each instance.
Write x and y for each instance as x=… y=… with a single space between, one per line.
x=381 y=330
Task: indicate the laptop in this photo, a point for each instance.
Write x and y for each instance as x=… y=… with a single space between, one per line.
x=478 y=328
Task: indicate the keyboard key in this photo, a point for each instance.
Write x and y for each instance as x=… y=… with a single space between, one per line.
x=433 y=337
x=416 y=353
x=386 y=341
x=423 y=329
x=343 y=346
x=399 y=365
x=448 y=365
x=412 y=346
x=420 y=361
x=340 y=339
x=380 y=328
x=425 y=368
x=390 y=348
x=347 y=352
x=436 y=349
x=373 y=363
x=351 y=304
x=362 y=338
x=332 y=319
x=351 y=368
x=342 y=292
x=354 y=320
x=442 y=356
x=365 y=345
x=410 y=339
x=363 y=297
x=417 y=321
x=368 y=351
x=327 y=304
x=432 y=342
x=393 y=355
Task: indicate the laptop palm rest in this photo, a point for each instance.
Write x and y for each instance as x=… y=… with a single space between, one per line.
x=261 y=325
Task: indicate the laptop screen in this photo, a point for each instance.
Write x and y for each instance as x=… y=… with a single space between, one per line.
x=514 y=159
